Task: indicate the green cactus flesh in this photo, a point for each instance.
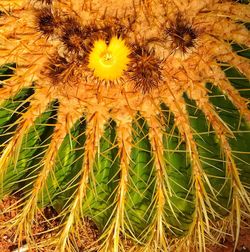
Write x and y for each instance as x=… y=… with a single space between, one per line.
x=160 y=157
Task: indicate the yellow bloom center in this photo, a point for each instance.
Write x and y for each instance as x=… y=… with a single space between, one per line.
x=109 y=61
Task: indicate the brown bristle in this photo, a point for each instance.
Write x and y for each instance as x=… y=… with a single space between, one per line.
x=80 y=39
x=181 y=34
x=114 y=28
x=145 y=69
x=58 y=69
x=120 y=30
x=119 y=27
x=73 y=35
x=104 y=33
x=48 y=2
x=46 y=21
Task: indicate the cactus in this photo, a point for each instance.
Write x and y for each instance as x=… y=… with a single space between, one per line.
x=133 y=114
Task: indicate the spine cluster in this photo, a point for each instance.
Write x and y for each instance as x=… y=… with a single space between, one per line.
x=142 y=66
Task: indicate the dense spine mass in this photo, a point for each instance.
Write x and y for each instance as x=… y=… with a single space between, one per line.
x=133 y=114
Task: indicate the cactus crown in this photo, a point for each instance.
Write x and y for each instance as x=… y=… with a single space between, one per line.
x=132 y=113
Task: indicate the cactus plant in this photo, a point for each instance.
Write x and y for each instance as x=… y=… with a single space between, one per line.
x=131 y=113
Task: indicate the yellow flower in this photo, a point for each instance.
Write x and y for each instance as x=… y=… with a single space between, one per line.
x=109 y=61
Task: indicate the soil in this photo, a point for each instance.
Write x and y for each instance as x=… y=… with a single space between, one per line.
x=228 y=245
x=46 y=221
x=89 y=234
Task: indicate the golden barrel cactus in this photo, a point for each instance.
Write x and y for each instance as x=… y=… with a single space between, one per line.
x=133 y=114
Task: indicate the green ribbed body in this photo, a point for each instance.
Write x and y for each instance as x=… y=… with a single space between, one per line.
x=156 y=155
x=140 y=206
